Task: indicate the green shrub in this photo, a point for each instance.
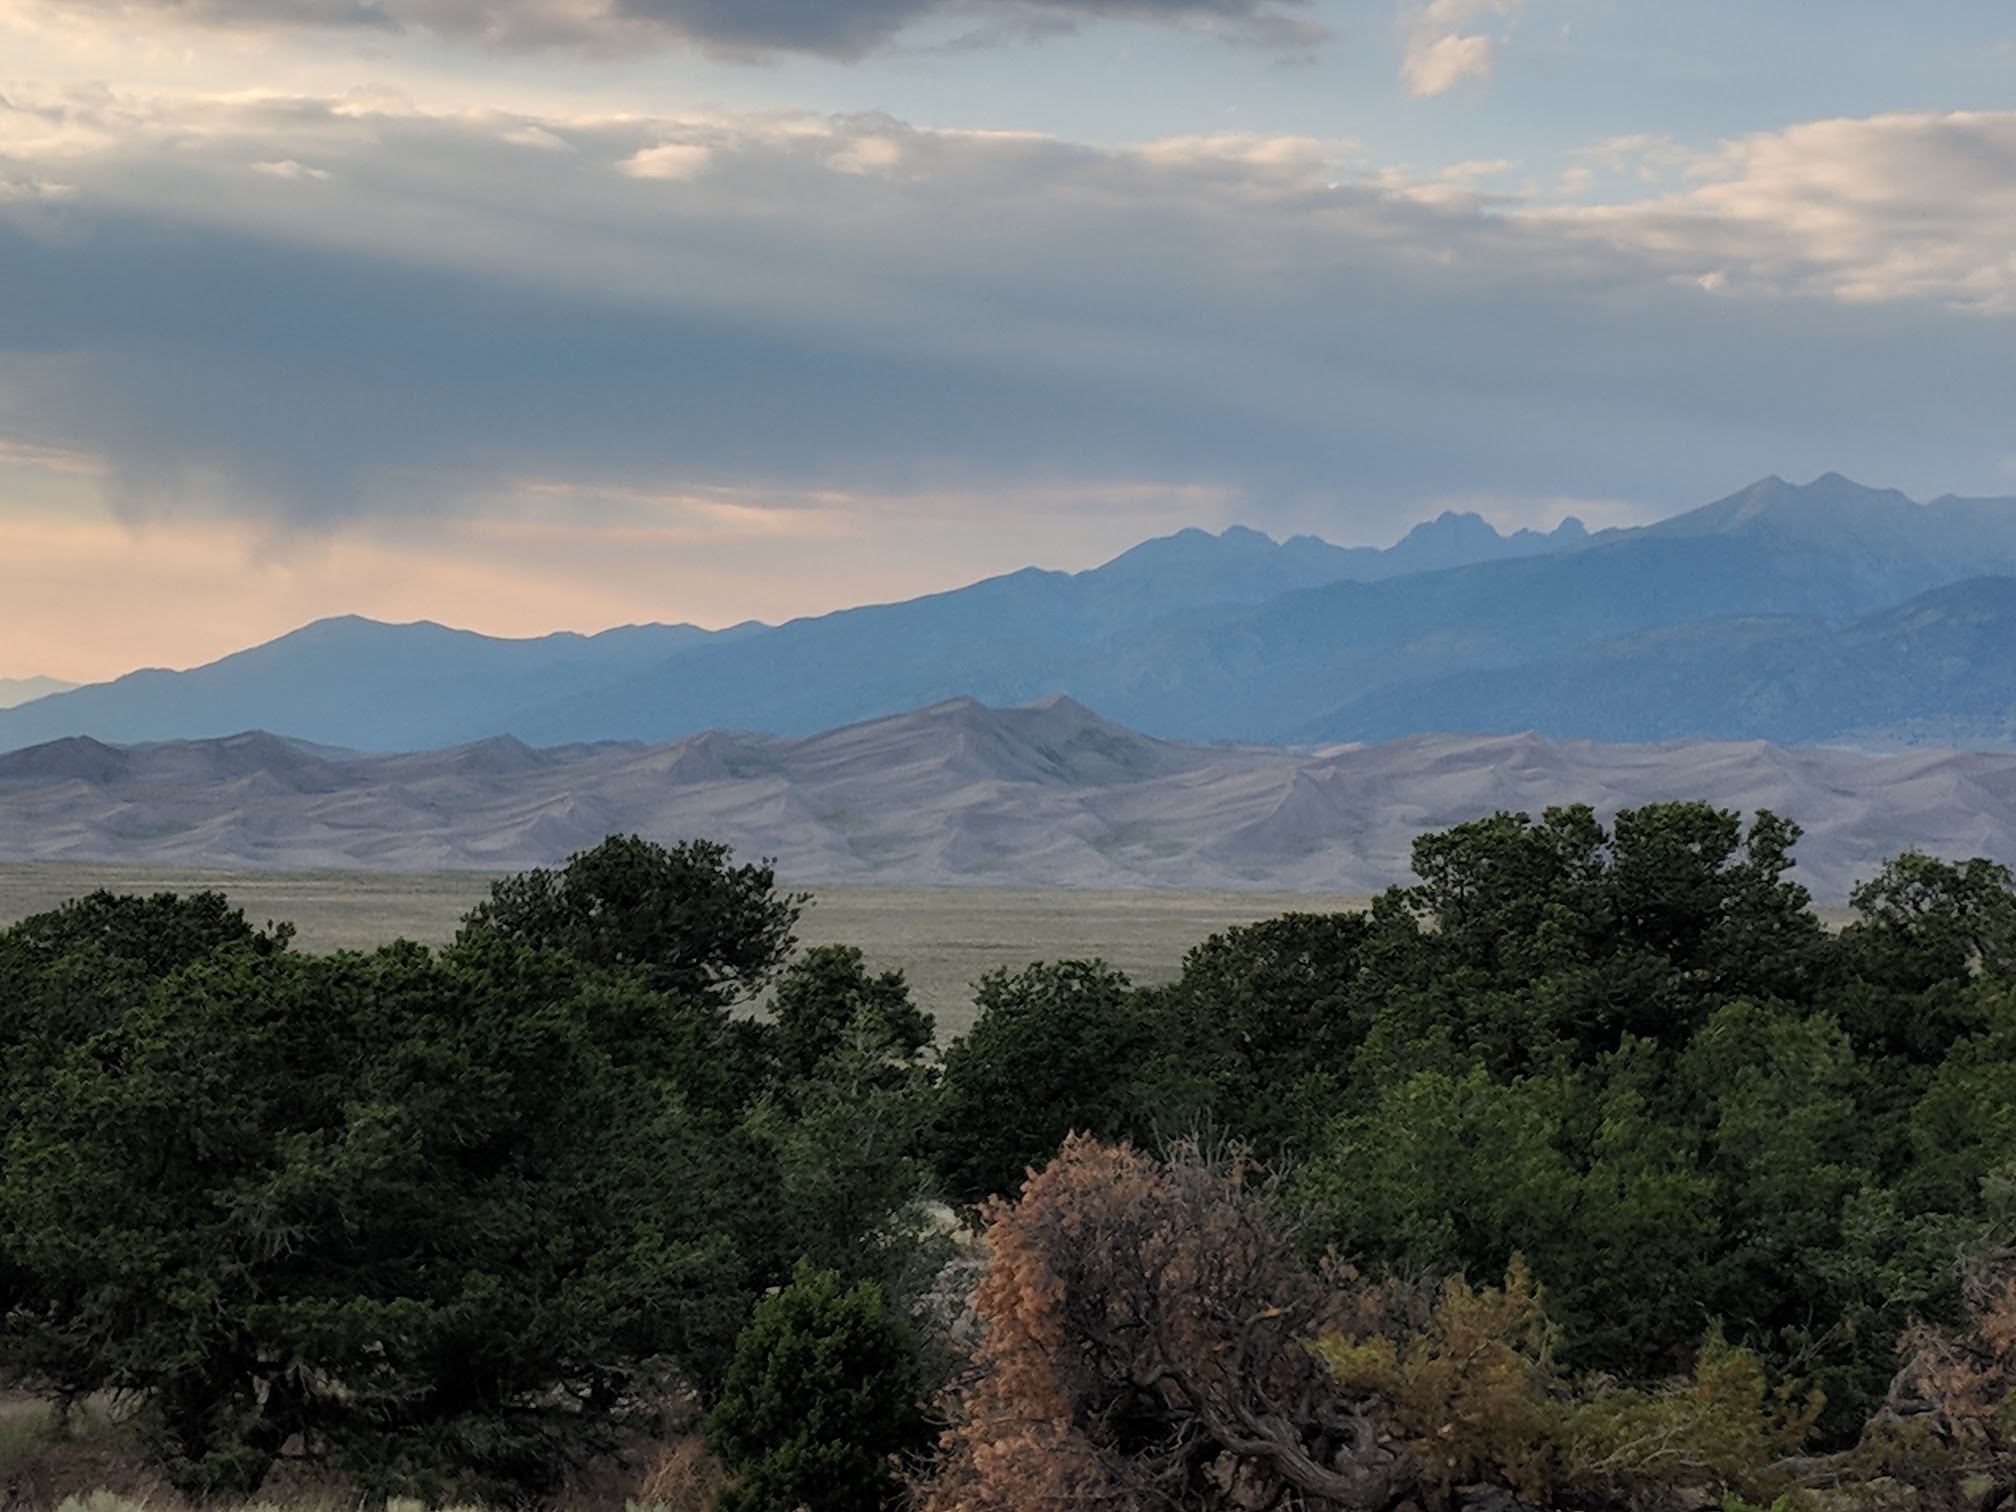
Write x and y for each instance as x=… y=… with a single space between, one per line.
x=821 y=1404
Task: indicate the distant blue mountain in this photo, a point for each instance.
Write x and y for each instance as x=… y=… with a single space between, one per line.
x=358 y=683
x=20 y=690
x=1939 y=668
x=1194 y=636
x=1262 y=670
x=349 y=682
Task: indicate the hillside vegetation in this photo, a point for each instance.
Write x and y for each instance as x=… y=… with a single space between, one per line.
x=1587 y=1170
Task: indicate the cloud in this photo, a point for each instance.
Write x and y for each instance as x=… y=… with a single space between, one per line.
x=1436 y=65
x=668 y=160
x=982 y=315
x=287 y=168
x=845 y=29
x=1442 y=48
x=1872 y=210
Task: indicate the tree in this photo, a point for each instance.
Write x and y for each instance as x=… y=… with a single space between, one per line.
x=1153 y=1340
x=1932 y=938
x=822 y=1403
x=1055 y=1047
x=826 y=1002
x=845 y=1115
x=1257 y=1035
x=1535 y=945
x=686 y=918
x=424 y=1219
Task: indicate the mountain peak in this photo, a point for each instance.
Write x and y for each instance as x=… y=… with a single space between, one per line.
x=1464 y=524
x=1830 y=504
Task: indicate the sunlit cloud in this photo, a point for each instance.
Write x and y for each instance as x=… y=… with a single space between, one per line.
x=287 y=168
x=1886 y=208
x=1444 y=46
x=668 y=160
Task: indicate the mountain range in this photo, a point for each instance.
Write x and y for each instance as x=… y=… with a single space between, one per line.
x=1824 y=612
x=20 y=690
x=1046 y=794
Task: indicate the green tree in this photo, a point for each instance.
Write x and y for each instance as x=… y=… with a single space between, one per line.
x=424 y=1218
x=1055 y=1047
x=846 y=1114
x=1255 y=1037
x=1532 y=945
x=689 y=920
x=1926 y=929
x=826 y=1002
x=822 y=1403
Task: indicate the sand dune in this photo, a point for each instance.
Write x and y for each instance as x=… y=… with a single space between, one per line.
x=1049 y=794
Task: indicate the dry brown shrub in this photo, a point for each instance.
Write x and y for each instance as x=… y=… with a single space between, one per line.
x=1948 y=1425
x=681 y=1477
x=1144 y=1347
x=1966 y=1383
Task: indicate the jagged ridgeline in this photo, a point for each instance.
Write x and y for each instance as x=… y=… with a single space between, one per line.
x=1793 y=614
x=1588 y=1169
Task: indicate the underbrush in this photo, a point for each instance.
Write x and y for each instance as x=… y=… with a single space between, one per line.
x=91 y=1460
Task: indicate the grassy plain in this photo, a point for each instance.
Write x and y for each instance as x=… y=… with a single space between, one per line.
x=941 y=938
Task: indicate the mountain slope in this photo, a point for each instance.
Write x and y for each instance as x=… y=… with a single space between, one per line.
x=1939 y=667
x=1046 y=795
x=1221 y=672
x=349 y=682
x=1890 y=546
x=1262 y=671
x=1191 y=636
x=355 y=682
x=15 y=691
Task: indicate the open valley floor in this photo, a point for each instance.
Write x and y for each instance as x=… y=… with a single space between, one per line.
x=941 y=938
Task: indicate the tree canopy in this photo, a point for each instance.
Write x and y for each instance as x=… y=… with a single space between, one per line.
x=1604 y=1110
x=683 y=915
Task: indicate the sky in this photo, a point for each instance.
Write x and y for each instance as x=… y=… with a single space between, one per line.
x=558 y=314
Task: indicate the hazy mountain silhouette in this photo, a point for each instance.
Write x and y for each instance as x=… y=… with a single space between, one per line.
x=356 y=682
x=1258 y=670
x=350 y=681
x=1193 y=636
x=15 y=691
x=1939 y=668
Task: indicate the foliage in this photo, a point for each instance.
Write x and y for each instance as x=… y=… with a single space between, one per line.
x=1465 y=1387
x=1963 y=1379
x=821 y=1404
x=1724 y=1423
x=691 y=922
x=682 y=1477
x=1053 y=1048
x=1249 y=1039
x=446 y=1223
x=417 y=1216
x=1474 y=1391
x=845 y=1116
x=1153 y=1340
x=1634 y=1056
x=826 y=1003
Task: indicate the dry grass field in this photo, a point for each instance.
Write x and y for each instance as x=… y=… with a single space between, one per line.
x=941 y=938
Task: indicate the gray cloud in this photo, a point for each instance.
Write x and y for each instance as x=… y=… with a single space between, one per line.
x=427 y=308
x=844 y=29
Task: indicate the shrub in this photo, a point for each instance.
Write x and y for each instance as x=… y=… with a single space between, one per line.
x=821 y=1403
